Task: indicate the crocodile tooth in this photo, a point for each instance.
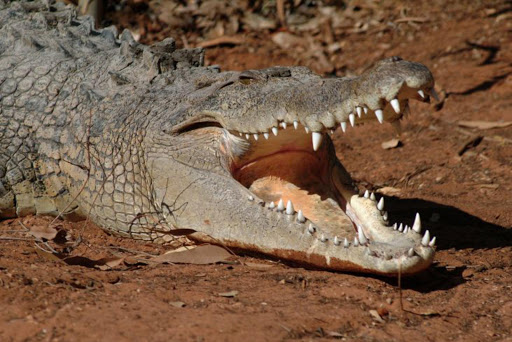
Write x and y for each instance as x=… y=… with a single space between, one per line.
x=396 y=105
x=385 y=216
x=255 y=135
x=366 y=194
x=346 y=243
x=426 y=238
x=280 y=205
x=416 y=226
x=306 y=129
x=395 y=226
x=251 y=198
x=295 y=124
x=300 y=217
x=266 y=135
x=275 y=130
x=352 y=119
x=283 y=124
x=271 y=205
x=356 y=241
x=361 y=236
x=343 y=126
x=317 y=140
x=336 y=241
x=289 y=208
x=323 y=238
x=365 y=110
x=372 y=197
x=332 y=131
x=240 y=133
x=311 y=229
x=401 y=227
x=432 y=242
x=421 y=93
x=380 y=205
x=359 y=111
x=410 y=252
x=247 y=136
x=406 y=229
x=380 y=115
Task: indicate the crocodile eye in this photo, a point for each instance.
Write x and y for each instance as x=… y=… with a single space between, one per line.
x=246 y=81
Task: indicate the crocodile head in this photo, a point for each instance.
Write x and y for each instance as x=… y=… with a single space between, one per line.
x=252 y=166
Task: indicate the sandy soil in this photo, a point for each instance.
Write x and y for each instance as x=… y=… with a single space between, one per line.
x=458 y=178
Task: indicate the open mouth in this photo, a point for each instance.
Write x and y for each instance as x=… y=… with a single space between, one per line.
x=302 y=205
x=296 y=173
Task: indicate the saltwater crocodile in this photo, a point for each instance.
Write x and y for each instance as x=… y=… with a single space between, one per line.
x=149 y=143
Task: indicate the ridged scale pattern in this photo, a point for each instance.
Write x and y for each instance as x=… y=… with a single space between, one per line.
x=60 y=85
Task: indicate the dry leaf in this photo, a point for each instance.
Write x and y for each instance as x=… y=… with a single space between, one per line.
x=335 y=334
x=229 y=294
x=375 y=315
x=198 y=255
x=177 y=304
x=135 y=260
x=389 y=191
x=43 y=232
x=257 y=22
x=484 y=124
x=224 y=40
x=489 y=186
x=287 y=40
x=393 y=143
x=106 y=264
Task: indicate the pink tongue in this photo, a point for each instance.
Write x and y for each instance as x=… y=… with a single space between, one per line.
x=317 y=203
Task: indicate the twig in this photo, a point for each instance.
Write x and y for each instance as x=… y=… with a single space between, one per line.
x=224 y=40
x=8 y=238
x=412 y=19
x=134 y=251
x=50 y=249
x=23 y=226
x=280 y=12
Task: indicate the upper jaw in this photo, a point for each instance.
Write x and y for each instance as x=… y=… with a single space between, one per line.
x=261 y=105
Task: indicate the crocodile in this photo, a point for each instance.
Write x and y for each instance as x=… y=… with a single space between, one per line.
x=148 y=143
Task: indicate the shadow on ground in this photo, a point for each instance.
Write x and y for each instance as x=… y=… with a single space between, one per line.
x=453 y=227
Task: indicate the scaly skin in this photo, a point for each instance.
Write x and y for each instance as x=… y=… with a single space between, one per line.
x=145 y=140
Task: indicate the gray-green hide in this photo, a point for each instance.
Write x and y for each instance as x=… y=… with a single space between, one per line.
x=145 y=140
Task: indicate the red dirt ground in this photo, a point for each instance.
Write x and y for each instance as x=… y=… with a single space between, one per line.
x=461 y=189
